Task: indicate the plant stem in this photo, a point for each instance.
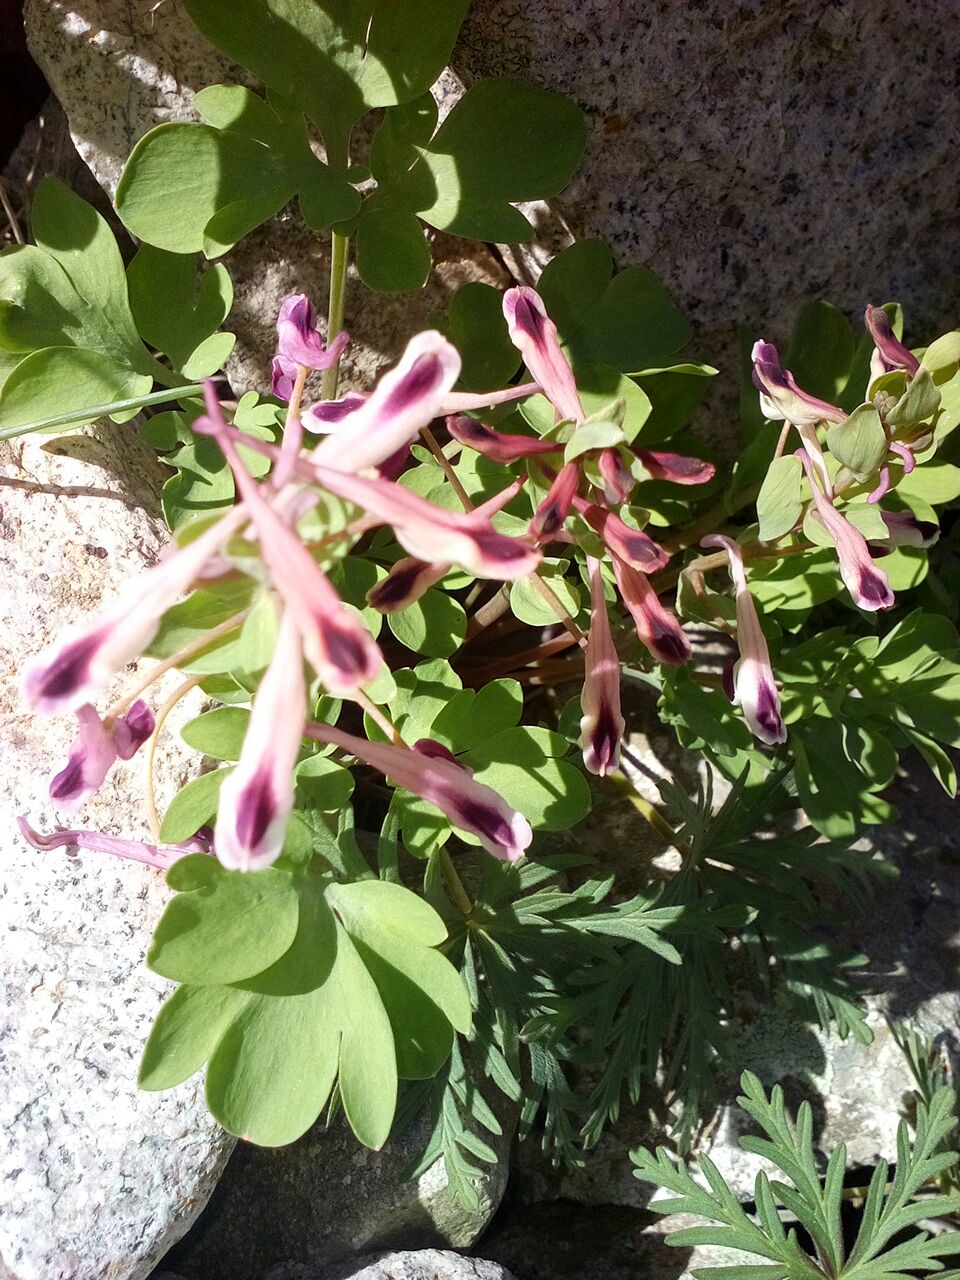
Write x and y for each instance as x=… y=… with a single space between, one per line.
x=459 y=894
x=95 y=411
x=430 y=440
x=150 y=798
x=649 y=811
x=339 y=259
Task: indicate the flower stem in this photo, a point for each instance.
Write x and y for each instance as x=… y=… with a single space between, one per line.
x=339 y=259
x=150 y=798
x=461 y=898
x=92 y=412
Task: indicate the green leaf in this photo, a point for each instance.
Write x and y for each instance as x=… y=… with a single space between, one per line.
x=339 y=58
x=524 y=767
x=218 y=733
x=46 y=381
x=477 y=328
x=934 y=482
x=598 y=384
x=859 y=442
x=505 y=141
x=187 y=1030
x=190 y=188
x=223 y=925
x=392 y=254
x=778 y=504
x=323 y=784
x=821 y=350
x=192 y=807
x=434 y=625
x=627 y=320
x=527 y=600
x=470 y=718
x=178 y=311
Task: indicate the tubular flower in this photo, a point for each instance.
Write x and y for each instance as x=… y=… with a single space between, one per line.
x=256 y=799
x=432 y=533
x=499 y=446
x=888 y=351
x=445 y=783
x=300 y=342
x=618 y=483
x=338 y=646
x=404 y=401
x=781 y=400
x=68 y=674
x=160 y=856
x=755 y=690
x=657 y=628
x=327 y=415
x=633 y=546
x=675 y=467
x=602 y=725
x=534 y=335
x=867 y=584
x=95 y=749
x=905 y=530
x=283 y=374
x=551 y=514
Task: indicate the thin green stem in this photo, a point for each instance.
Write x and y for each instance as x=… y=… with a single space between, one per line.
x=461 y=898
x=92 y=412
x=339 y=260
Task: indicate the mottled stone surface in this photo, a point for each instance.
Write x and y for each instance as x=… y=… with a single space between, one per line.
x=754 y=156
x=98 y=1178
x=325 y=1199
x=419 y=1264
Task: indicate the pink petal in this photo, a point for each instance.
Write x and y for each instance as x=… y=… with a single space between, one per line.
x=602 y=725
x=534 y=335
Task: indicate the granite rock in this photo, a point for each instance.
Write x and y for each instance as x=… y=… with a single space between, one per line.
x=754 y=157
x=325 y=1199
x=99 y=1179
x=419 y=1264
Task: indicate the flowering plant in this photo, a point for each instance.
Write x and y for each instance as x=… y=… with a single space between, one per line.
x=373 y=590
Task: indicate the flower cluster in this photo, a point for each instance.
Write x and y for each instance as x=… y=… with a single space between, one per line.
x=579 y=478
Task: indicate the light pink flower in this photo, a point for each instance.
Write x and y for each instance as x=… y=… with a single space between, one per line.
x=445 y=783
x=675 y=468
x=499 y=446
x=657 y=628
x=404 y=401
x=94 y=751
x=888 y=352
x=550 y=516
x=73 y=670
x=338 y=646
x=905 y=530
x=633 y=546
x=406 y=582
x=256 y=798
x=602 y=725
x=618 y=482
x=755 y=690
x=781 y=400
x=299 y=341
x=160 y=856
x=868 y=585
x=534 y=335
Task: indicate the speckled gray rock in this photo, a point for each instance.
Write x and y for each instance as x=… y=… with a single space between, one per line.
x=325 y=1198
x=419 y=1264
x=98 y=1178
x=753 y=156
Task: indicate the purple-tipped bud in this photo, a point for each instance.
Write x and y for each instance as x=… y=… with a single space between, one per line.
x=754 y=688
x=633 y=546
x=256 y=798
x=534 y=335
x=905 y=530
x=550 y=516
x=675 y=468
x=601 y=725
x=618 y=482
x=889 y=352
x=658 y=629
x=468 y=804
x=404 y=401
x=406 y=582
x=781 y=400
x=91 y=755
x=867 y=584
x=283 y=374
x=328 y=415
x=498 y=446
x=132 y=731
x=299 y=341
